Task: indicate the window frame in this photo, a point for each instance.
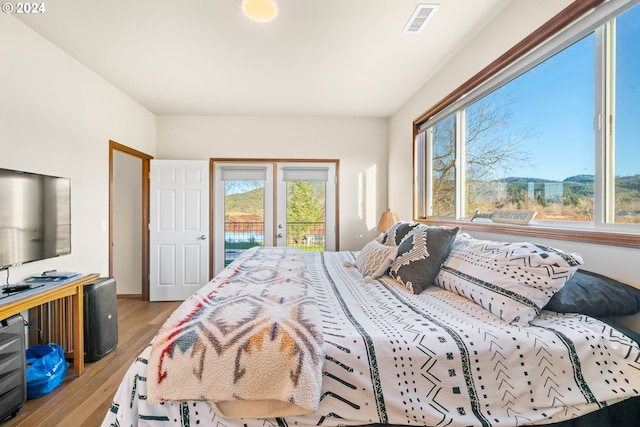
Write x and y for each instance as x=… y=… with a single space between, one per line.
x=575 y=21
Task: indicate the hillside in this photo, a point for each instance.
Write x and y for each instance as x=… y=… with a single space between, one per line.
x=569 y=199
x=247 y=206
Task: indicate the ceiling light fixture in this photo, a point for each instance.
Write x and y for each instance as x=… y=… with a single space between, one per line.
x=260 y=10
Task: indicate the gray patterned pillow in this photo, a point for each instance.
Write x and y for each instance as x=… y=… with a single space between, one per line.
x=511 y=280
x=420 y=255
x=394 y=235
x=374 y=259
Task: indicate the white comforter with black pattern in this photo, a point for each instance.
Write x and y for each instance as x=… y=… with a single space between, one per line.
x=433 y=359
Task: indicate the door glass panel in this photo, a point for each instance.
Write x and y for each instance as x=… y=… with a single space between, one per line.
x=306 y=208
x=244 y=207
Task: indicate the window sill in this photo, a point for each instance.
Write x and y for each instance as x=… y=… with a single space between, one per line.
x=630 y=240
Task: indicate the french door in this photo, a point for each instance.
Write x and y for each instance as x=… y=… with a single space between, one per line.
x=267 y=203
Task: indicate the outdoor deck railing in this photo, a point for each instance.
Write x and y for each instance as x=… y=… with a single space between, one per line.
x=240 y=236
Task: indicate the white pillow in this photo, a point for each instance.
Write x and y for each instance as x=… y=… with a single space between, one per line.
x=514 y=281
x=375 y=258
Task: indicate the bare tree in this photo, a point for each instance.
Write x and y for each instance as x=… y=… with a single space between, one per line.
x=492 y=148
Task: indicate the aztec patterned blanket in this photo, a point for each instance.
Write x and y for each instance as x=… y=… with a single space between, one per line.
x=249 y=343
x=433 y=359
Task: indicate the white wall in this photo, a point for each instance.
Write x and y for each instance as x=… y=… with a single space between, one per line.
x=56 y=117
x=359 y=143
x=514 y=23
x=127 y=223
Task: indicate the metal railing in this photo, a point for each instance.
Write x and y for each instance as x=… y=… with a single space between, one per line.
x=240 y=236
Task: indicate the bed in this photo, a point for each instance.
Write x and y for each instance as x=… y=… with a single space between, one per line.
x=390 y=335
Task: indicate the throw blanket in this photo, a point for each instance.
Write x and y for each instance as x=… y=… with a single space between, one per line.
x=249 y=343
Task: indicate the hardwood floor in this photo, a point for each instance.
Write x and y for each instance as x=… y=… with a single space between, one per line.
x=84 y=400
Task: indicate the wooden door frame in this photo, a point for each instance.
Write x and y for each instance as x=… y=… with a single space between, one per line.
x=144 y=174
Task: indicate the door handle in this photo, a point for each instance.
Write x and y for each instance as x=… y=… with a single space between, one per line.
x=203 y=237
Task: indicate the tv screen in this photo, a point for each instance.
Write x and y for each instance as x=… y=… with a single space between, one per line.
x=35 y=217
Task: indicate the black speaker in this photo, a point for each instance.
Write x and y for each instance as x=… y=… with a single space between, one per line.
x=13 y=383
x=100 y=318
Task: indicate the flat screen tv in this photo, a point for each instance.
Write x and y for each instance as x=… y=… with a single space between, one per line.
x=35 y=217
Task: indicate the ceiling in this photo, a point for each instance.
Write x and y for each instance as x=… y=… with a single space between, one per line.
x=318 y=57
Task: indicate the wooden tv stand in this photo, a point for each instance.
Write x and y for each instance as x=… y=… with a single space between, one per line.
x=51 y=291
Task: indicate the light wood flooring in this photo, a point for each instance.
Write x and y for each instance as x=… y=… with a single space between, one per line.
x=84 y=400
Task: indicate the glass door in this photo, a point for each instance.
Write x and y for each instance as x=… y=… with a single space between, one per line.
x=251 y=208
x=243 y=210
x=306 y=206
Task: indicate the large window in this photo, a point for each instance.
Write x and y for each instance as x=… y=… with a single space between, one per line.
x=625 y=138
x=560 y=135
x=443 y=166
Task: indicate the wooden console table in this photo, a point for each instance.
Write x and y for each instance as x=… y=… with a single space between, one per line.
x=51 y=291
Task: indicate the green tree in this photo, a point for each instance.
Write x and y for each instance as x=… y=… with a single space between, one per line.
x=305 y=205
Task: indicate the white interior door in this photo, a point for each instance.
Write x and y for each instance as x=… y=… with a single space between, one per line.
x=179 y=228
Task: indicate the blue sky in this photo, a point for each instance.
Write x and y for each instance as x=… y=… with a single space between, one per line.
x=557 y=100
x=628 y=101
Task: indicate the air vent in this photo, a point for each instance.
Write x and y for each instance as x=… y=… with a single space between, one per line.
x=419 y=18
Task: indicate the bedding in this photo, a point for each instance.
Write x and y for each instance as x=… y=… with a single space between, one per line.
x=250 y=346
x=436 y=358
x=420 y=256
x=397 y=232
x=511 y=280
x=375 y=259
x=595 y=295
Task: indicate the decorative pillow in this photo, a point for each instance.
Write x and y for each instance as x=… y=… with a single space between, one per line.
x=595 y=295
x=374 y=259
x=394 y=235
x=511 y=280
x=420 y=255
